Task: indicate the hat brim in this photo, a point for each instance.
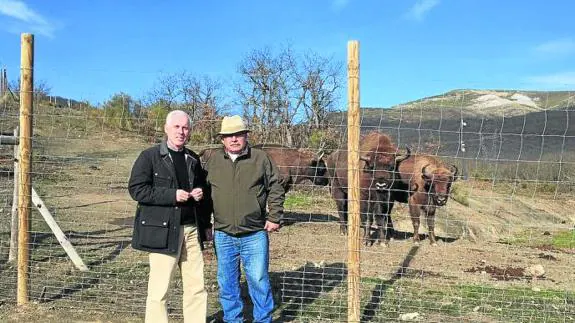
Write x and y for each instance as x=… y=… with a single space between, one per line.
x=226 y=133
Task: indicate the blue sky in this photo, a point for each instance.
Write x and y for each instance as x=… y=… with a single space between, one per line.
x=408 y=48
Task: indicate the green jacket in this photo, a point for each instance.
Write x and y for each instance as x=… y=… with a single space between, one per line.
x=240 y=191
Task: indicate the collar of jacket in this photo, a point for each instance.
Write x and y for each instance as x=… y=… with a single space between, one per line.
x=246 y=153
x=164 y=149
x=164 y=152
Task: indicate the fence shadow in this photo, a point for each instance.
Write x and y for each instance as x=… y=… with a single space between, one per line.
x=46 y=296
x=305 y=285
x=297 y=217
x=294 y=290
x=405 y=235
x=100 y=239
x=99 y=242
x=380 y=289
x=87 y=204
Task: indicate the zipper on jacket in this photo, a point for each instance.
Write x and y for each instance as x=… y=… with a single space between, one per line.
x=234 y=189
x=191 y=181
x=171 y=169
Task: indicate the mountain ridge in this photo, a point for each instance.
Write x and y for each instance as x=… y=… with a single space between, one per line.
x=500 y=125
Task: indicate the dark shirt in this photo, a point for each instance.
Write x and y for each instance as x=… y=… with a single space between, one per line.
x=183 y=179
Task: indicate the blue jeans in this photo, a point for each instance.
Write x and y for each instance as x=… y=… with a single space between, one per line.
x=253 y=251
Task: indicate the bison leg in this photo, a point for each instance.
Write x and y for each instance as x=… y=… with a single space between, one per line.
x=389 y=230
x=380 y=224
x=366 y=214
x=367 y=228
x=381 y=215
x=341 y=201
x=342 y=210
x=414 y=213
x=430 y=216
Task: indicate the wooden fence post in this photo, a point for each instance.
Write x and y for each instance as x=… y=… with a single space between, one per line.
x=25 y=159
x=1 y=83
x=354 y=242
x=14 y=221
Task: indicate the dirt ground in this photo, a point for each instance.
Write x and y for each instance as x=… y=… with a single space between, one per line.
x=308 y=262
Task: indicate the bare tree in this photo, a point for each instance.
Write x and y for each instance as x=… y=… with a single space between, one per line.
x=41 y=88
x=166 y=91
x=203 y=100
x=319 y=81
x=200 y=93
x=279 y=91
x=200 y=96
x=265 y=93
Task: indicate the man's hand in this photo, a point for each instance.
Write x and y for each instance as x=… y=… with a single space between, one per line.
x=197 y=193
x=271 y=227
x=182 y=196
x=209 y=234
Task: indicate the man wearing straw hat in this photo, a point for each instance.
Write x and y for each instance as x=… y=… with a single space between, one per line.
x=241 y=181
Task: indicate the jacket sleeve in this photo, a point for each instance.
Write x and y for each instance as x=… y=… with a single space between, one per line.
x=141 y=184
x=276 y=193
x=205 y=206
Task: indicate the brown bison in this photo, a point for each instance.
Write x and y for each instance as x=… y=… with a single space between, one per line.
x=424 y=183
x=295 y=165
x=380 y=158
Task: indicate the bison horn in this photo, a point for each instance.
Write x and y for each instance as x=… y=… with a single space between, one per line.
x=454 y=170
x=367 y=161
x=321 y=150
x=400 y=158
x=424 y=171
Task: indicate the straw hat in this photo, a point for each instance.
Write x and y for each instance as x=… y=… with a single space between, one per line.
x=232 y=125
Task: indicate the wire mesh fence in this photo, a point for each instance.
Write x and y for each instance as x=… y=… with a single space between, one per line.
x=505 y=237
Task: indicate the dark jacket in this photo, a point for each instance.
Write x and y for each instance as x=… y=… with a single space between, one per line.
x=153 y=184
x=240 y=191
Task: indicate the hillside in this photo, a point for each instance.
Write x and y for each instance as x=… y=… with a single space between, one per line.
x=499 y=125
x=529 y=132
x=479 y=103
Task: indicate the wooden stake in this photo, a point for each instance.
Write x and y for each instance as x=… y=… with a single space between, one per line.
x=14 y=221
x=62 y=239
x=354 y=242
x=25 y=159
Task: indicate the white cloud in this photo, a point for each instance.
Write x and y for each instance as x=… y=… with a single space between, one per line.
x=26 y=18
x=564 y=46
x=338 y=5
x=420 y=9
x=554 y=81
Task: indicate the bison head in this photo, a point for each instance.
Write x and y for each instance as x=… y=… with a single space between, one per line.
x=310 y=166
x=317 y=172
x=383 y=165
x=438 y=182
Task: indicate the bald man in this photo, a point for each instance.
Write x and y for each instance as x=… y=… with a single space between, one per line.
x=172 y=220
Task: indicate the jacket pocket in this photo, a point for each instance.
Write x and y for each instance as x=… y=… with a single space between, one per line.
x=154 y=227
x=162 y=181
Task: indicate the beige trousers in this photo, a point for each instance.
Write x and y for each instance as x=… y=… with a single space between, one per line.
x=189 y=260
